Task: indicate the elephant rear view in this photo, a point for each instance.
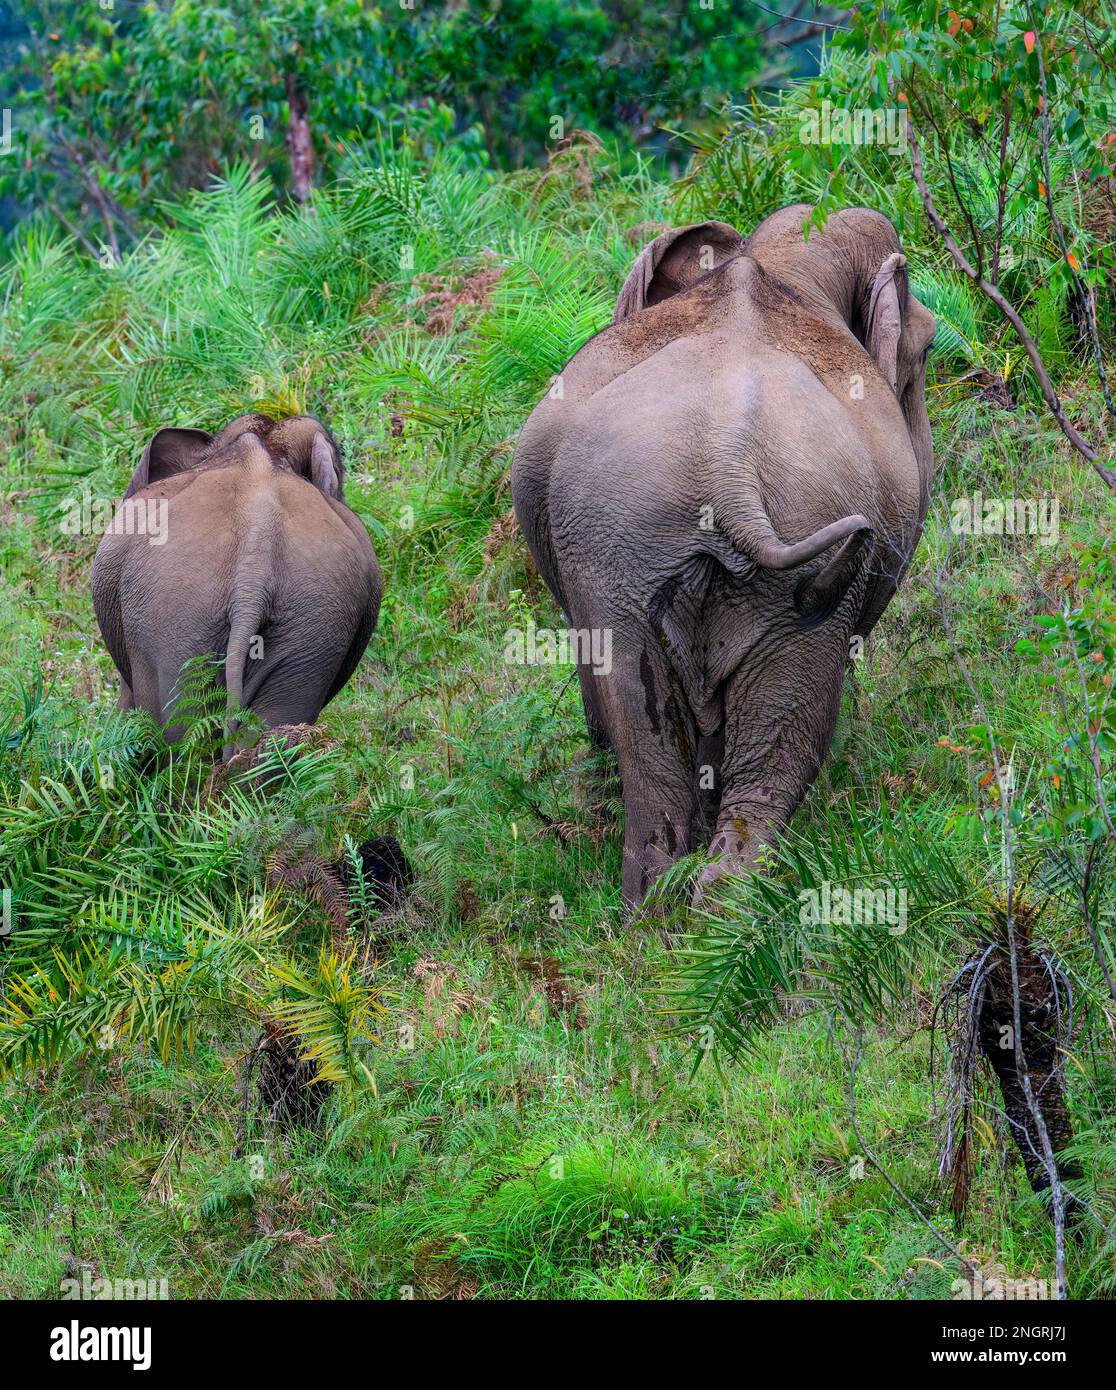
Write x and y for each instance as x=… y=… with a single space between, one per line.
x=727 y=487
x=238 y=544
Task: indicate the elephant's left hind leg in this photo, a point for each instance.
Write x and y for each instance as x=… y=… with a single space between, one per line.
x=594 y=715
x=653 y=732
x=125 y=700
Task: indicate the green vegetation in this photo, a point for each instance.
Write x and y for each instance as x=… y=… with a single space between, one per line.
x=116 y=110
x=512 y=1098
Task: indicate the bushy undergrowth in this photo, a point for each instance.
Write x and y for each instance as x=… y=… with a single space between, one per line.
x=506 y=1109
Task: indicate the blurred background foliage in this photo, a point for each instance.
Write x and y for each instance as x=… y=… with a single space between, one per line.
x=116 y=108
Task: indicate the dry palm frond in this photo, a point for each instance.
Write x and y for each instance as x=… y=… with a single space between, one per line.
x=572 y=157
x=561 y=996
x=438 y=1274
x=977 y=1011
x=449 y=295
x=442 y=1005
x=297 y=865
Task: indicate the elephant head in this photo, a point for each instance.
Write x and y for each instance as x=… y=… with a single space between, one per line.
x=852 y=275
x=299 y=443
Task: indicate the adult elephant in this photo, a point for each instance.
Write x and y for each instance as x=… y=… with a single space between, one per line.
x=731 y=478
x=240 y=545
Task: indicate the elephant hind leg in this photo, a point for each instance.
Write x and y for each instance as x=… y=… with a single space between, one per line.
x=279 y=706
x=658 y=825
x=711 y=752
x=655 y=737
x=780 y=718
x=147 y=691
x=352 y=657
x=741 y=832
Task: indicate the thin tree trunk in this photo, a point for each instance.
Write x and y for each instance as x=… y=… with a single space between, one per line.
x=1037 y=1017
x=298 y=140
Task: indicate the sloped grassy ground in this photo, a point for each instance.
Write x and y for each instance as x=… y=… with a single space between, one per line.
x=525 y=1126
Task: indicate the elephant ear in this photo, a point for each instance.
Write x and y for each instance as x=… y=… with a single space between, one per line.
x=672 y=262
x=885 y=317
x=169 y=452
x=308 y=449
x=325 y=466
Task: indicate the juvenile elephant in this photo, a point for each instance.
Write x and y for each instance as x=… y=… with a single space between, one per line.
x=730 y=480
x=238 y=544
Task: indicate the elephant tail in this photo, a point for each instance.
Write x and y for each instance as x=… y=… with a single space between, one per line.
x=245 y=620
x=818 y=595
x=762 y=545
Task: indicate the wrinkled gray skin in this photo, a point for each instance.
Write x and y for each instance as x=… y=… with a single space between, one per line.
x=733 y=479
x=259 y=544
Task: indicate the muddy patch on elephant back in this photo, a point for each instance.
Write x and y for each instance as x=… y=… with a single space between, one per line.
x=832 y=356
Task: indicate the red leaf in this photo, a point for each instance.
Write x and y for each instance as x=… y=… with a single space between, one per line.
x=1029 y=40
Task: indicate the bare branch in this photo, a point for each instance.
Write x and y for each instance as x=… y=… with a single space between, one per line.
x=73 y=231
x=818 y=24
